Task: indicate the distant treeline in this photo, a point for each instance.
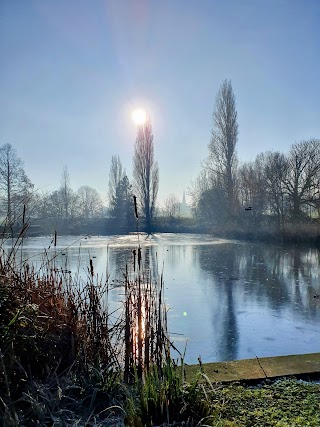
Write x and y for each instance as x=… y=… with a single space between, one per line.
x=292 y=233
x=274 y=197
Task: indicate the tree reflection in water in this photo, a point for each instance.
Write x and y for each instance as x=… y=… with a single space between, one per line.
x=246 y=277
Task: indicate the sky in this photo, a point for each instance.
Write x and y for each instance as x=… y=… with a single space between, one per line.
x=72 y=72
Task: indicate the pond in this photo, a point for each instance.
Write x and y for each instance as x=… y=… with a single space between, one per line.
x=227 y=299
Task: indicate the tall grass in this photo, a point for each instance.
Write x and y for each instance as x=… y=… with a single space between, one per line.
x=65 y=359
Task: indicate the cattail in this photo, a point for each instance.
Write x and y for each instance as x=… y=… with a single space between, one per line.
x=91 y=268
x=24 y=214
x=135 y=207
x=134 y=259
x=139 y=257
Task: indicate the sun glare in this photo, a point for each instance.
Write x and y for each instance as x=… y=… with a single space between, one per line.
x=139 y=116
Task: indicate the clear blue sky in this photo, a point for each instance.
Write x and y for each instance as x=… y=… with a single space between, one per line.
x=72 y=71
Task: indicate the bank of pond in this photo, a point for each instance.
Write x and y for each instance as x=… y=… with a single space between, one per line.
x=298 y=232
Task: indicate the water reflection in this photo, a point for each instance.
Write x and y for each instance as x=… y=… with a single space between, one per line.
x=225 y=323
x=228 y=299
x=253 y=285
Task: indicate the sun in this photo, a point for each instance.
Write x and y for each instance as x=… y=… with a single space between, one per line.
x=139 y=116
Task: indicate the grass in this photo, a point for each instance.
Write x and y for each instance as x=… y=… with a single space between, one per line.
x=65 y=360
x=282 y=403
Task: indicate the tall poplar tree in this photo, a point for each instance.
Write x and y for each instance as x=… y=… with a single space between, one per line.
x=145 y=172
x=222 y=148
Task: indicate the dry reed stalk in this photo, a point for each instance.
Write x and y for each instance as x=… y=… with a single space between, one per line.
x=146 y=338
x=68 y=326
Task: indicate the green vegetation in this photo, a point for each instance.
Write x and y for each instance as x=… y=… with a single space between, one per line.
x=284 y=403
x=66 y=360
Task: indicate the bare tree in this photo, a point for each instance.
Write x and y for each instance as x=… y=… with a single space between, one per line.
x=15 y=186
x=66 y=194
x=275 y=172
x=171 y=206
x=43 y=204
x=203 y=182
x=145 y=172
x=89 y=202
x=116 y=175
x=303 y=177
x=222 y=160
x=251 y=182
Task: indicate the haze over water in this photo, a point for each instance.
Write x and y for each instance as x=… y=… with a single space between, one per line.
x=227 y=299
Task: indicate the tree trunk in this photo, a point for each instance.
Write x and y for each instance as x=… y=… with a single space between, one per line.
x=296 y=206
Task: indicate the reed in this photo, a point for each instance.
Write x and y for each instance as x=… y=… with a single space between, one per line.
x=146 y=340
x=64 y=356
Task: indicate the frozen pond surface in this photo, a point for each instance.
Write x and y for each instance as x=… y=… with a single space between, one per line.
x=227 y=299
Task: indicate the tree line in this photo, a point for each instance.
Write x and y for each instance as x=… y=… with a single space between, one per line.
x=18 y=194
x=274 y=189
